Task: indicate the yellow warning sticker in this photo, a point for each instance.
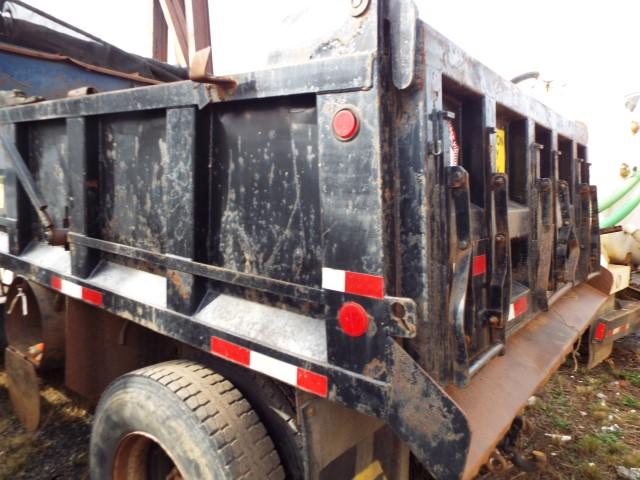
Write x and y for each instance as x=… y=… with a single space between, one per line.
x=372 y=472
x=1 y=192
x=501 y=151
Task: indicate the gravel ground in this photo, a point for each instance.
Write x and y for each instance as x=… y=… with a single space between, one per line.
x=586 y=423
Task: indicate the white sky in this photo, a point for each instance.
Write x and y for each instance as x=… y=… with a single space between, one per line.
x=590 y=49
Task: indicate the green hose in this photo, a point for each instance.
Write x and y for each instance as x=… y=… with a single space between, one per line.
x=615 y=196
x=622 y=213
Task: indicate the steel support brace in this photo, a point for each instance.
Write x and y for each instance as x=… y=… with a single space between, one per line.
x=461 y=251
x=544 y=229
x=500 y=284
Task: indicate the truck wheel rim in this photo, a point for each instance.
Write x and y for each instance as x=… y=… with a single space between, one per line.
x=141 y=456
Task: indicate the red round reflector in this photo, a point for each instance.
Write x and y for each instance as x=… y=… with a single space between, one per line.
x=345 y=124
x=353 y=319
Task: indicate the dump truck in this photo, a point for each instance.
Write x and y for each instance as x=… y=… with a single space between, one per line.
x=359 y=262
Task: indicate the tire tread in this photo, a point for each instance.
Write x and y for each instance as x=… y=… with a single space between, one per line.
x=225 y=415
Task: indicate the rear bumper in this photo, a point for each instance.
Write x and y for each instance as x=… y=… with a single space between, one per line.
x=501 y=389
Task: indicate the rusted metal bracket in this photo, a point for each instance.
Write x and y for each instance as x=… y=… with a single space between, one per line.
x=584 y=228
x=567 y=247
x=459 y=198
x=403 y=21
x=437 y=117
x=478 y=291
x=190 y=27
x=199 y=70
x=500 y=284
x=175 y=17
x=401 y=320
x=544 y=229
x=55 y=236
x=594 y=252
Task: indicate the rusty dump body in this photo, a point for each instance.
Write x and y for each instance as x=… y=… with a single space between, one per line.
x=231 y=217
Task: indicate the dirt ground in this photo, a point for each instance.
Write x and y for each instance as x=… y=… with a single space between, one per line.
x=58 y=450
x=586 y=422
x=593 y=418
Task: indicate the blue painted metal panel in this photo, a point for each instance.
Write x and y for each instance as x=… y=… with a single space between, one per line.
x=53 y=79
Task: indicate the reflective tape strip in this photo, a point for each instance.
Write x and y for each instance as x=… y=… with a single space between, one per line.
x=352 y=282
x=76 y=291
x=333 y=279
x=4 y=241
x=285 y=372
x=479 y=265
x=230 y=351
x=518 y=307
x=600 y=332
x=617 y=330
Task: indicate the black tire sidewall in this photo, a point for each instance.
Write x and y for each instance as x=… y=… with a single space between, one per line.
x=138 y=404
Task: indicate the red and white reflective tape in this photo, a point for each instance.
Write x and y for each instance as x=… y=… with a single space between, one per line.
x=518 y=307
x=298 y=377
x=617 y=330
x=454 y=148
x=351 y=282
x=603 y=332
x=76 y=291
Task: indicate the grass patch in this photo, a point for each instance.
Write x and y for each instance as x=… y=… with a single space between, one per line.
x=631 y=402
x=589 y=472
x=589 y=445
x=561 y=423
x=601 y=446
x=631 y=459
x=632 y=377
x=611 y=442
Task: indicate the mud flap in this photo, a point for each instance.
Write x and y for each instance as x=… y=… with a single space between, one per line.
x=426 y=418
x=497 y=394
x=24 y=388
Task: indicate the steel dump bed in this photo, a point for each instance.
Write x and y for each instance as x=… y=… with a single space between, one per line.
x=388 y=172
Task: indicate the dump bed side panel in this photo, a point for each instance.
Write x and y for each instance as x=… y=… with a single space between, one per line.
x=265 y=200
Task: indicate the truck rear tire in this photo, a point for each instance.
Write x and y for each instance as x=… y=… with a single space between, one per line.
x=176 y=420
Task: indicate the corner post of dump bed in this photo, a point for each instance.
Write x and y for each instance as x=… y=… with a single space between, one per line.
x=82 y=164
x=184 y=290
x=411 y=150
x=351 y=199
x=433 y=330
